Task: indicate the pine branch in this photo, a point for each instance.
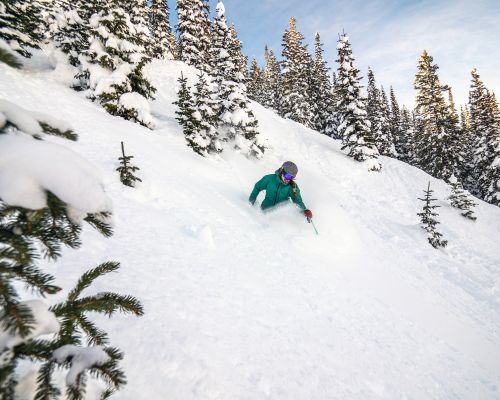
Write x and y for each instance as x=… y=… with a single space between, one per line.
x=50 y=130
x=107 y=394
x=8 y=381
x=15 y=318
x=77 y=392
x=110 y=372
x=46 y=390
x=95 y=336
x=98 y=221
x=108 y=303
x=9 y=59
x=90 y=276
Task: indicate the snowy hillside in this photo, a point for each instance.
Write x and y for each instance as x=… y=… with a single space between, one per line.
x=245 y=305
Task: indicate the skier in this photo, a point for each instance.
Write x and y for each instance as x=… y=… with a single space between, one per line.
x=280 y=187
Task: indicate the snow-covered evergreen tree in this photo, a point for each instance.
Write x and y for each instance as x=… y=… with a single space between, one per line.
x=321 y=97
x=336 y=104
x=385 y=142
x=272 y=81
x=236 y=53
x=354 y=127
x=193 y=29
x=69 y=27
x=296 y=76
x=378 y=114
x=395 y=125
x=428 y=219
x=407 y=152
x=112 y=66
x=467 y=144
x=161 y=32
x=457 y=140
x=433 y=137
x=493 y=144
x=138 y=12
x=460 y=199
x=19 y=25
x=189 y=118
x=236 y=121
x=174 y=46
x=485 y=135
x=206 y=112
x=127 y=169
x=256 y=86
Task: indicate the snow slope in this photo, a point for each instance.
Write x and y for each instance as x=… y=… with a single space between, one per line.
x=245 y=305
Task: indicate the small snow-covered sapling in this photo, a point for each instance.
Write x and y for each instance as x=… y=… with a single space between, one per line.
x=126 y=170
x=429 y=221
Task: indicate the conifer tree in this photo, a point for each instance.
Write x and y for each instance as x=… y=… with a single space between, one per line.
x=407 y=152
x=378 y=115
x=19 y=22
x=235 y=51
x=321 y=93
x=458 y=141
x=174 y=46
x=206 y=108
x=161 y=32
x=433 y=137
x=335 y=105
x=429 y=221
x=116 y=45
x=256 y=86
x=189 y=119
x=139 y=13
x=493 y=169
x=297 y=66
x=460 y=199
x=395 y=126
x=236 y=121
x=354 y=127
x=69 y=28
x=485 y=135
x=206 y=34
x=272 y=81
x=127 y=170
x=385 y=143
x=467 y=144
x=193 y=29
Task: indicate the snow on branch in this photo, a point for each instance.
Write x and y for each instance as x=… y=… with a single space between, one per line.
x=32 y=122
x=31 y=168
x=81 y=359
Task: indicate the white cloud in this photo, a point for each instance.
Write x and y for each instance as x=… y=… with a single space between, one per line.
x=389 y=36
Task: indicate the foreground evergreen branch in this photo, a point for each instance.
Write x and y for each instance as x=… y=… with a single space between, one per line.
x=66 y=134
x=9 y=59
x=70 y=338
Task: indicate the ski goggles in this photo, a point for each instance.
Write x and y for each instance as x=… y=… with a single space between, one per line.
x=288 y=176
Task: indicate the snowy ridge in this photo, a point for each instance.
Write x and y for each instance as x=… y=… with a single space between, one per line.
x=242 y=305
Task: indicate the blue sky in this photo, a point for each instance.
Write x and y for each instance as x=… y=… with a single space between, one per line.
x=387 y=35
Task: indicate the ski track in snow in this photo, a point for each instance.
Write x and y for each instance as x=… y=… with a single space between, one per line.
x=245 y=305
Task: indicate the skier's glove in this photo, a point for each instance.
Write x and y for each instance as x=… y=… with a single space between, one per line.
x=308 y=214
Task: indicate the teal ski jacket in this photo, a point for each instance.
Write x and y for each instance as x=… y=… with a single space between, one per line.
x=277 y=191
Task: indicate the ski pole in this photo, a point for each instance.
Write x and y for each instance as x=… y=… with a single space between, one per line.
x=314 y=226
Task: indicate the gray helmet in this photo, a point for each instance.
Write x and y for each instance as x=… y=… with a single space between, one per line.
x=290 y=168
